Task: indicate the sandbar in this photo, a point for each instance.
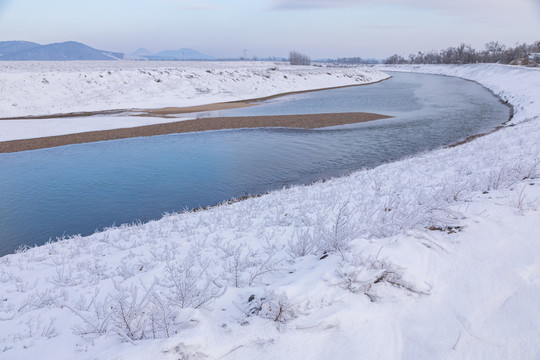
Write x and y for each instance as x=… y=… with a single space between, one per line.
x=311 y=121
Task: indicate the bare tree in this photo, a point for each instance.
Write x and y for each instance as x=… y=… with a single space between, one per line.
x=395 y=59
x=494 y=52
x=296 y=58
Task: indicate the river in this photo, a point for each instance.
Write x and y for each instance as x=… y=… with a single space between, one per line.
x=78 y=189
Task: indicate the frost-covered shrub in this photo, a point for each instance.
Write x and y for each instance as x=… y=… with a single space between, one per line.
x=129 y=315
x=244 y=266
x=272 y=306
x=133 y=313
x=528 y=169
x=362 y=275
x=337 y=235
x=189 y=285
x=305 y=244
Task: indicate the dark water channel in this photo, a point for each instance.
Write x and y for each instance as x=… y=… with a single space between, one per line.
x=78 y=189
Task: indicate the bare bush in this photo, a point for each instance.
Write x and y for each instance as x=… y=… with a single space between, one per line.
x=518 y=201
x=501 y=178
x=528 y=170
x=453 y=191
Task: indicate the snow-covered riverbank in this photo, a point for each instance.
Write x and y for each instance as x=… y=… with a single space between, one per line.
x=42 y=88
x=436 y=256
x=517 y=85
x=45 y=88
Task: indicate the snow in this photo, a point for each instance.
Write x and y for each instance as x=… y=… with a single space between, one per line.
x=434 y=256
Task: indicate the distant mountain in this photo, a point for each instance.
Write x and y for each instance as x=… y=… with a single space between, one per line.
x=8 y=47
x=69 y=50
x=140 y=52
x=180 y=54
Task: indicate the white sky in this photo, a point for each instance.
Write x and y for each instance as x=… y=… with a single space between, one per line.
x=320 y=28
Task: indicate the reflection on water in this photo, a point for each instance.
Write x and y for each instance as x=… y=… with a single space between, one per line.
x=81 y=188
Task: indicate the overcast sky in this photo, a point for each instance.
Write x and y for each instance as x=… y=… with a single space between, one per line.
x=320 y=28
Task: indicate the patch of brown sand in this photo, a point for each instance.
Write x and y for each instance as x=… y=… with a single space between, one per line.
x=202 y=124
x=159 y=112
x=166 y=111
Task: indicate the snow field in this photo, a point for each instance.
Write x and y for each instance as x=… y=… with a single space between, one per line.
x=434 y=256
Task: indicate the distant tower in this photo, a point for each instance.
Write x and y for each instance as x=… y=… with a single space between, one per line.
x=245 y=54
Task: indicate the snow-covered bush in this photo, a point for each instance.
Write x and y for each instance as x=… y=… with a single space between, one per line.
x=189 y=285
x=272 y=306
x=362 y=275
x=337 y=234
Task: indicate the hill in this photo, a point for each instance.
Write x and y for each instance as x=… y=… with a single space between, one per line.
x=8 y=47
x=69 y=50
x=140 y=53
x=180 y=54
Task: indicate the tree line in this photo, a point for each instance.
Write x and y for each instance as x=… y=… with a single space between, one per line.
x=494 y=52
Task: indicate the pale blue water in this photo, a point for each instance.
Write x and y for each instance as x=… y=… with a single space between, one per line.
x=78 y=189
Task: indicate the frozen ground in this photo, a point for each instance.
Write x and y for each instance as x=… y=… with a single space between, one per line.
x=432 y=257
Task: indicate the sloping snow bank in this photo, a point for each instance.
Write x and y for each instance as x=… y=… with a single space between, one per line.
x=435 y=256
x=42 y=88
x=517 y=85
